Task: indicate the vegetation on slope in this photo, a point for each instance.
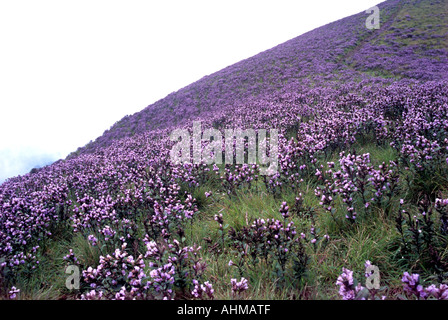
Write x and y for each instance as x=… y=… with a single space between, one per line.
x=362 y=179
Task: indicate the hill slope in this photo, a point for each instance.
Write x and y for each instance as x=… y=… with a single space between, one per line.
x=411 y=44
x=362 y=117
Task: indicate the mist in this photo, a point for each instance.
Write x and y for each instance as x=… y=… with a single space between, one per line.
x=19 y=161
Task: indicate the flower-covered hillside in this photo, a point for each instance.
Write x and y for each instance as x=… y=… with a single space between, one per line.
x=360 y=195
x=410 y=44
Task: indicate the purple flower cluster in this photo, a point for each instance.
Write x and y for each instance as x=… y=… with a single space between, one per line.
x=413 y=288
x=356 y=179
x=70 y=258
x=13 y=292
x=119 y=270
x=239 y=287
x=201 y=291
x=347 y=289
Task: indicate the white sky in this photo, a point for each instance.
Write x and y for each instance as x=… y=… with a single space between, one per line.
x=71 y=69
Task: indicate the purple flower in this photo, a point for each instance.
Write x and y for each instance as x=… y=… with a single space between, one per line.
x=440 y=293
x=345 y=281
x=13 y=293
x=412 y=285
x=239 y=286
